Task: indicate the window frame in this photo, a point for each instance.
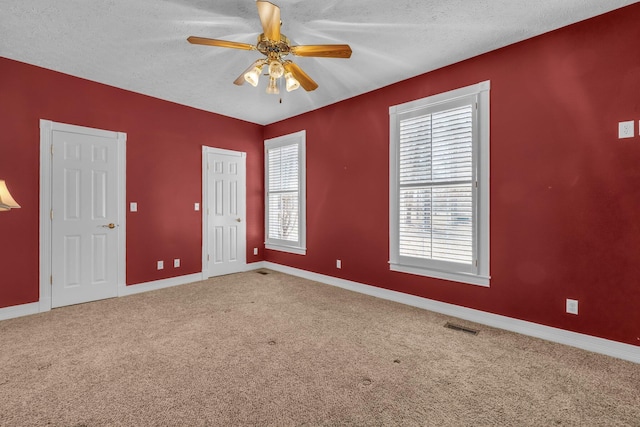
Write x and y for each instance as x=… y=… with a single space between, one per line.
x=477 y=274
x=299 y=247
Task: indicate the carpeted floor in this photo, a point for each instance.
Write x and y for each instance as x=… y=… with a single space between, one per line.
x=276 y=350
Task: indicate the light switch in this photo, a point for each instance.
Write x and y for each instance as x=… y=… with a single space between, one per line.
x=133 y=207
x=196 y=206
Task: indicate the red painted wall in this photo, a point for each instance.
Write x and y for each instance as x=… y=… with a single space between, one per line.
x=565 y=192
x=164 y=165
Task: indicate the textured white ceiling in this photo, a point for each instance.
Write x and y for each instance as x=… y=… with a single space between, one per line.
x=140 y=45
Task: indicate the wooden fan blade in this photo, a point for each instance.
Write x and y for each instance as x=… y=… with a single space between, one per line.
x=270 y=18
x=240 y=80
x=220 y=43
x=305 y=81
x=323 y=50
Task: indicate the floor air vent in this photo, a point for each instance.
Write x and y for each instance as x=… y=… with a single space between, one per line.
x=461 y=328
x=262 y=272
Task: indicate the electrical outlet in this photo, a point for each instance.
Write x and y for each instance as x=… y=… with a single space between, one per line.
x=625 y=129
x=176 y=263
x=160 y=265
x=255 y=251
x=133 y=207
x=196 y=206
x=338 y=263
x=572 y=306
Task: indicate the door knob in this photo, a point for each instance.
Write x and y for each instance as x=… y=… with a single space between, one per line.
x=112 y=225
x=238 y=219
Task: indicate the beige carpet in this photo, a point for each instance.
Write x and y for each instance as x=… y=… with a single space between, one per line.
x=252 y=349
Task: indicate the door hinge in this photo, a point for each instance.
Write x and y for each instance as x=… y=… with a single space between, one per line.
x=51 y=280
x=207 y=257
x=51 y=214
x=476 y=263
x=51 y=150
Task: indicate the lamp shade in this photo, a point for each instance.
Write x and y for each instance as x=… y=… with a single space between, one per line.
x=252 y=76
x=6 y=201
x=276 y=70
x=273 y=86
x=292 y=83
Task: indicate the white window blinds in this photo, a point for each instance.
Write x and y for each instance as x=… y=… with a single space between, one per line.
x=436 y=186
x=283 y=194
x=439 y=185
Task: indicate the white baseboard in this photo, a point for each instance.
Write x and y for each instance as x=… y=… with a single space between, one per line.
x=123 y=290
x=574 y=339
x=19 y=310
x=175 y=281
x=257 y=265
x=159 y=284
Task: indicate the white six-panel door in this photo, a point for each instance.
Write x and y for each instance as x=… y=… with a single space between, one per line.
x=84 y=216
x=225 y=210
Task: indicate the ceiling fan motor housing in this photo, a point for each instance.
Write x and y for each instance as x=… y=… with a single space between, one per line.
x=273 y=49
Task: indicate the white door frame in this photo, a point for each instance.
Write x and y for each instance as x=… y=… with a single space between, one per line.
x=205 y=204
x=47 y=127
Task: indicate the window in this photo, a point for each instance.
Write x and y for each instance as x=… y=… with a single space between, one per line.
x=439 y=186
x=285 y=217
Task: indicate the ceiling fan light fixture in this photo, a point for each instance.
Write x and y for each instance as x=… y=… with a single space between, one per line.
x=272 y=89
x=252 y=76
x=276 y=69
x=275 y=46
x=291 y=82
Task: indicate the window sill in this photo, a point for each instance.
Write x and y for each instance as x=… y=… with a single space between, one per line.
x=470 y=279
x=290 y=249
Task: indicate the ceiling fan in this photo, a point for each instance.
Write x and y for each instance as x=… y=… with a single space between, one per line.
x=276 y=46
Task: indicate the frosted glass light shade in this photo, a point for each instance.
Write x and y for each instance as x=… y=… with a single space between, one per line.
x=273 y=86
x=292 y=83
x=252 y=76
x=276 y=69
x=6 y=201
